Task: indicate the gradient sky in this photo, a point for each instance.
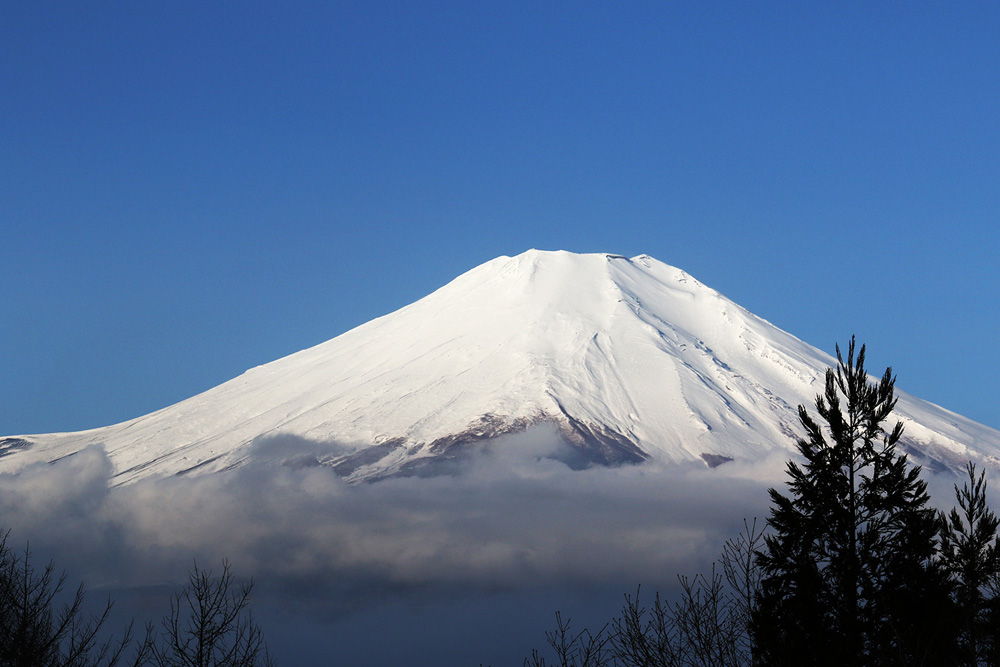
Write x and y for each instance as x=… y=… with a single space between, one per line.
x=188 y=190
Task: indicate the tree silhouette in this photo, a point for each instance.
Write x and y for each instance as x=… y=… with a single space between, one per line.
x=970 y=554
x=849 y=574
x=35 y=631
x=854 y=568
x=210 y=625
x=708 y=626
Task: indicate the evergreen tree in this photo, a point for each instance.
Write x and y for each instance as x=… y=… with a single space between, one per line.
x=969 y=552
x=848 y=570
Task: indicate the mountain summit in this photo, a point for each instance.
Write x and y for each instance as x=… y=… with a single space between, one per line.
x=627 y=359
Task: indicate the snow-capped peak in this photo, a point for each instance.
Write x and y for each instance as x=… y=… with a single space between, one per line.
x=630 y=359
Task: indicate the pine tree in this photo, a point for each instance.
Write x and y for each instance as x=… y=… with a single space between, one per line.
x=970 y=553
x=848 y=571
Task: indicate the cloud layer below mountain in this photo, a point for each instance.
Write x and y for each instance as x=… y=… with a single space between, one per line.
x=511 y=522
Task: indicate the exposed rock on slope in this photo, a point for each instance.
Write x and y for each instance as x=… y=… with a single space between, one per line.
x=629 y=359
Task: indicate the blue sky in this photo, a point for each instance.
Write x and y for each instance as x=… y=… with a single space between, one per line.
x=188 y=190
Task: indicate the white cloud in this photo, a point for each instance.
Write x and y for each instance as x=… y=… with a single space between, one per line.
x=512 y=515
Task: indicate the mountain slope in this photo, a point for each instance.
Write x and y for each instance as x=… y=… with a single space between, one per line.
x=630 y=359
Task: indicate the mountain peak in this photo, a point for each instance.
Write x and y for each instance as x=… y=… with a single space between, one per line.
x=630 y=360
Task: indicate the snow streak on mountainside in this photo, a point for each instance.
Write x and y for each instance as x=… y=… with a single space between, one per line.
x=629 y=359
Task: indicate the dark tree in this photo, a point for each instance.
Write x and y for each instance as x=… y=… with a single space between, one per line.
x=743 y=575
x=849 y=577
x=43 y=626
x=574 y=649
x=701 y=629
x=210 y=625
x=855 y=568
x=969 y=552
x=708 y=626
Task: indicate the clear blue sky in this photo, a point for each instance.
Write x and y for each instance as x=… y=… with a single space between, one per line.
x=191 y=189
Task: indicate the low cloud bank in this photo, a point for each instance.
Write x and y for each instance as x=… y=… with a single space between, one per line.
x=512 y=515
x=507 y=537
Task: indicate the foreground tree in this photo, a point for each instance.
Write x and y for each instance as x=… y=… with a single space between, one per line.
x=36 y=631
x=42 y=625
x=707 y=626
x=210 y=625
x=574 y=649
x=849 y=575
x=855 y=568
x=970 y=554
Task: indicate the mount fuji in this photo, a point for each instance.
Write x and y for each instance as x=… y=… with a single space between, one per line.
x=628 y=360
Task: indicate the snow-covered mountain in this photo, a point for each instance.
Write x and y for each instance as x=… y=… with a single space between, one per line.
x=628 y=359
